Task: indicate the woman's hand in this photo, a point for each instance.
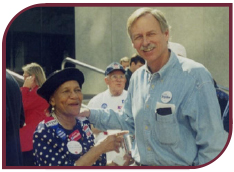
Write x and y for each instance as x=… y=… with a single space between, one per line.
x=84 y=112
x=112 y=142
x=29 y=82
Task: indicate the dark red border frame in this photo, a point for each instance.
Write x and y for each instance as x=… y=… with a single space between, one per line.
x=116 y=5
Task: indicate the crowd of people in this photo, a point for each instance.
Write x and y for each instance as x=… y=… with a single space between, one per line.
x=166 y=103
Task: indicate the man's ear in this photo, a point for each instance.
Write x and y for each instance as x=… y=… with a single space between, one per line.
x=167 y=34
x=106 y=80
x=125 y=81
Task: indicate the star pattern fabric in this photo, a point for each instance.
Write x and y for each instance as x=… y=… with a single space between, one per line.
x=51 y=143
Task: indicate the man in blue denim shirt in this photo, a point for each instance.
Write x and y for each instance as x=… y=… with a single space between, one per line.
x=171 y=107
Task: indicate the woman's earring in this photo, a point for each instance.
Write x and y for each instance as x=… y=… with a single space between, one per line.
x=52 y=109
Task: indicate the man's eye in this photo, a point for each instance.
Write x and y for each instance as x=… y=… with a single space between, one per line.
x=114 y=76
x=151 y=34
x=138 y=37
x=122 y=76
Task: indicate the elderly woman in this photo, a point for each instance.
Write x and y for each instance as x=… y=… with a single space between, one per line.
x=34 y=108
x=63 y=138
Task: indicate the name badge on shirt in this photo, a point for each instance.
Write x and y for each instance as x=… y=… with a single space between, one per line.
x=74 y=147
x=60 y=132
x=119 y=107
x=50 y=122
x=104 y=106
x=75 y=135
x=166 y=97
x=87 y=130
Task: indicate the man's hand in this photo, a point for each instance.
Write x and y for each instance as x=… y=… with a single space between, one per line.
x=128 y=160
x=84 y=112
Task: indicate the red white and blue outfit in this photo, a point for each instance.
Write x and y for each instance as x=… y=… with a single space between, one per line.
x=56 y=146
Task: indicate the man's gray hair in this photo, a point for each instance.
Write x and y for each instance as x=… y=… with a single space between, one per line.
x=159 y=16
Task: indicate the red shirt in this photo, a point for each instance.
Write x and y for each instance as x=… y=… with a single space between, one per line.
x=35 y=108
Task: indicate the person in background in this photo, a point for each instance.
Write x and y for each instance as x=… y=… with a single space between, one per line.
x=34 y=108
x=136 y=62
x=178 y=49
x=64 y=138
x=14 y=121
x=124 y=62
x=171 y=106
x=113 y=98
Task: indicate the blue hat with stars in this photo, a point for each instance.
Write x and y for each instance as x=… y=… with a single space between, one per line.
x=114 y=66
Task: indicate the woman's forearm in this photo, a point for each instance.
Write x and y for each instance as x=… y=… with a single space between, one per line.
x=91 y=156
x=112 y=142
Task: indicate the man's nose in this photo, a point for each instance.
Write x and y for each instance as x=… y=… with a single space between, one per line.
x=118 y=78
x=145 y=41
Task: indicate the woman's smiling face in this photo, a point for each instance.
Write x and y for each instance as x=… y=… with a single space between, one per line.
x=67 y=99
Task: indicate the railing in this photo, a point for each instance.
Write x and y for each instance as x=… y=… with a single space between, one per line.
x=76 y=62
x=16 y=75
x=223 y=88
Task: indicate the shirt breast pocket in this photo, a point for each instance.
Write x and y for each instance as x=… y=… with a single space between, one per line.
x=166 y=127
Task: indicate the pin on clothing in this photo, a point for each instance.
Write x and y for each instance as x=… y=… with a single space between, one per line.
x=64 y=139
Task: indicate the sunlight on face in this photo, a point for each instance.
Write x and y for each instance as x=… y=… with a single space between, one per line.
x=148 y=39
x=116 y=81
x=67 y=99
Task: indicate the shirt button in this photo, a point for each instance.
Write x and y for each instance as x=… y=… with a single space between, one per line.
x=148 y=148
x=152 y=86
x=162 y=80
x=146 y=127
x=147 y=106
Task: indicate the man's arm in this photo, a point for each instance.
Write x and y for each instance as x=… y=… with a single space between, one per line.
x=205 y=119
x=110 y=119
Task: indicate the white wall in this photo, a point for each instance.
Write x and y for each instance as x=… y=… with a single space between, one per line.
x=101 y=38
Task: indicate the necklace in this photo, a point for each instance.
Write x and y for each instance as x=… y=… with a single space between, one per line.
x=55 y=117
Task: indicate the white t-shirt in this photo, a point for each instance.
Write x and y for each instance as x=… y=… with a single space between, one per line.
x=105 y=100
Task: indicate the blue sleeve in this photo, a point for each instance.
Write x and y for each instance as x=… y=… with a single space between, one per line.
x=205 y=119
x=110 y=119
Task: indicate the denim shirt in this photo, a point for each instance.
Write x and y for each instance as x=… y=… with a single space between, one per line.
x=191 y=133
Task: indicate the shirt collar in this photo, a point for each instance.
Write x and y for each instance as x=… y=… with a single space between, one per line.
x=162 y=72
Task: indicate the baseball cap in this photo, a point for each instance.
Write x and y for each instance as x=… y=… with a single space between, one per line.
x=114 y=66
